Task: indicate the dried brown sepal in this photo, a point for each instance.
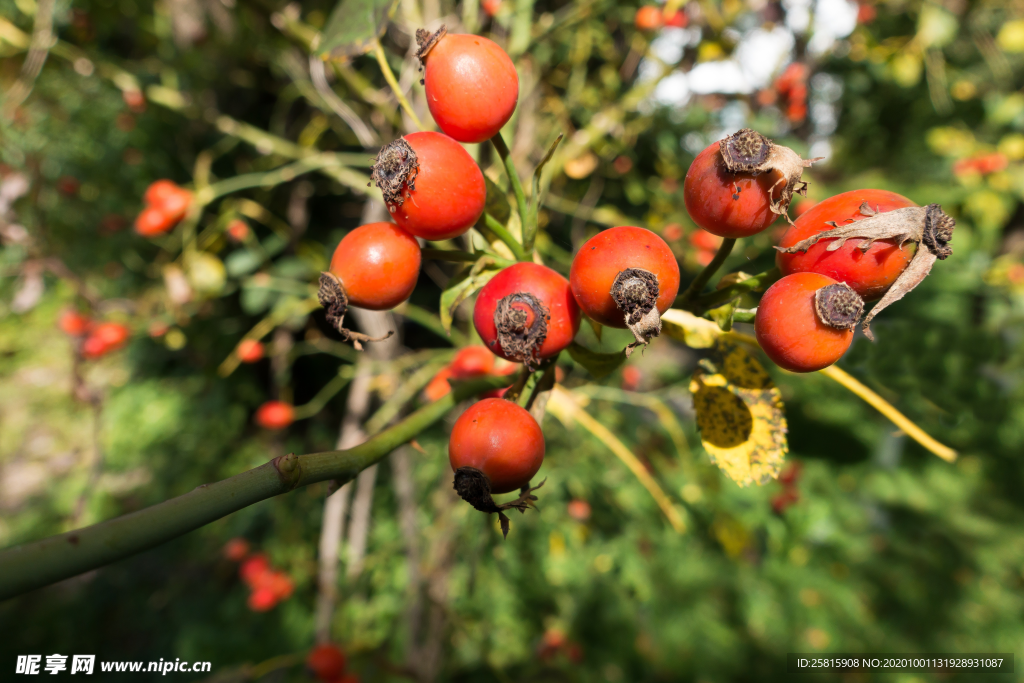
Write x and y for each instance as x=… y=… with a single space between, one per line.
x=394 y=172
x=927 y=226
x=520 y=338
x=425 y=41
x=747 y=151
x=474 y=487
x=635 y=293
x=334 y=299
x=838 y=306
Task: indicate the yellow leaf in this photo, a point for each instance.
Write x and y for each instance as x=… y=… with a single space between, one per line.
x=739 y=414
x=697 y=333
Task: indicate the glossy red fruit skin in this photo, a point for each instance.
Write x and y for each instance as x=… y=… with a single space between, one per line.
x=326 y=661
x=608 y=253
x=450 y=191
x=501 y=440
x=869 y=273
x=151 y=222
x=709 y=190
x=471 y=85
x=788 y=329
x=472 y=361
x=275 y=415
x=553 y=291
x=378 y=265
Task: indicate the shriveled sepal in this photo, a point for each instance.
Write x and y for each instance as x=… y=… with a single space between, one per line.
x=838 y=306
x=635 y=292
x=425 y=41
x=520 y=336
x=747 y=151
x=334 y=299
x=394 y=172
x=474 y=487
x=927 y=226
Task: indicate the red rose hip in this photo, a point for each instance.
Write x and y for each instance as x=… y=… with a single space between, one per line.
x=805 y=321
x=471 y=84
x=526 y=313
x=326 y=662
x=377 y=265
x=739 y=186
x=626 y=277
x=872 y=272
x=431 y=185
x=500 y=439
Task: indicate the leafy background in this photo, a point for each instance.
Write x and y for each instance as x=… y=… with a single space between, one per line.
x=887 y=549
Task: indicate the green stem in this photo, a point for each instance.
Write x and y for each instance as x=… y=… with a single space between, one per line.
x=389 y=76
x=545 y=383
x=513 y=178
x=461 y=256
x=502 y=233
x=40 y=563
x=726 y=294
x=705 y=275
x=744 y=315
x=328 y=392
x=430 y=321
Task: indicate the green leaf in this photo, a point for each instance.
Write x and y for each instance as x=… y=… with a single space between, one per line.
x=463 y=287
x=497 y=202
x=597 y=364
x=597 y=327
x=353 y=27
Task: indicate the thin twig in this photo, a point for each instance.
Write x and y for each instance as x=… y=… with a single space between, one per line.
x=513 y=178
x=389 y=76
x=887 y=409
x=705 y=275
x=366 y=136
x=42 y=41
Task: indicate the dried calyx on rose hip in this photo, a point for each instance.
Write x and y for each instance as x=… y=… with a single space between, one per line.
x=394 y=172
x=526 y=314
x=496 y=446
x=431 y=185
x=927 y=226
x=522 y=323
x=747 y=151
x=626 y=277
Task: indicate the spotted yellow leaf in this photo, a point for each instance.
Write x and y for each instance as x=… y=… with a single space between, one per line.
x=739 y=414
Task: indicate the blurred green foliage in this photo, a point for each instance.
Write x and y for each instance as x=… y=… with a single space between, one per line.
x=887 y=548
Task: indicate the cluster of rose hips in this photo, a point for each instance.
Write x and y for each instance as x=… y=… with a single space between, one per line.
x=267 y=586
x=96 y=339
x=166 y=204
x=840 y=253
x=326 y=662
x=624 y=277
